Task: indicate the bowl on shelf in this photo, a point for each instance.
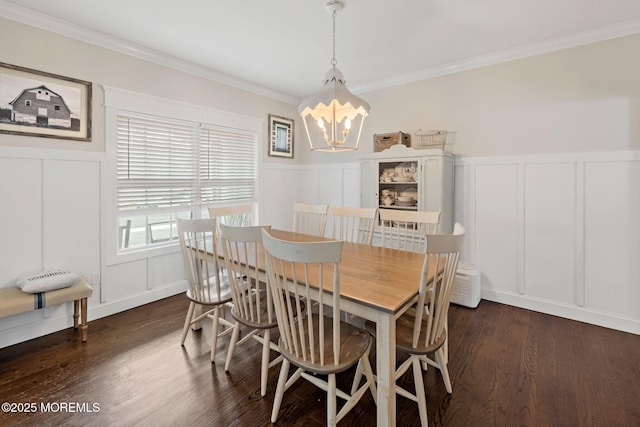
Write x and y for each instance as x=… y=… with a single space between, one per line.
x=400 y=178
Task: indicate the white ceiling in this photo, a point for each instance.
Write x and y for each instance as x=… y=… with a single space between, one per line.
x=284 y=46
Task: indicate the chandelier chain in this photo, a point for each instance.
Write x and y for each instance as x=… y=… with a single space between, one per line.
x=334 y=61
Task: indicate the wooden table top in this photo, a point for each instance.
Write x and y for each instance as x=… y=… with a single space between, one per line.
x=382 y=278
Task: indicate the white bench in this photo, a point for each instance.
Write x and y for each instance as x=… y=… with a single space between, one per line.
x=14 y=301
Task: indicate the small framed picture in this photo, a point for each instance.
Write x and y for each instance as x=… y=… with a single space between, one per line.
x=280 y=136
x=37 y=103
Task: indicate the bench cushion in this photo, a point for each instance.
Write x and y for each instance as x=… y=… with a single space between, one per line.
x=45 y=281
x=14 y=301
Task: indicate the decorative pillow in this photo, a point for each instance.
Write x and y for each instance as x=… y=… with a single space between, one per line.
x=48 y=280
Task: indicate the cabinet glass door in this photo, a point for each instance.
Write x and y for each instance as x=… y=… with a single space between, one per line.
x=398 y=183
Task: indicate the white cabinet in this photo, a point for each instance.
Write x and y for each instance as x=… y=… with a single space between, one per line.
x=405 y=178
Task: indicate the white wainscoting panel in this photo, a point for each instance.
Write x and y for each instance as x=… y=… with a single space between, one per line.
x=496 y=224
x=72 y=216
x=50 y=213
x=309 y=186
x=559 y=234
x=21 y=217
x=351 y=188
x=166 y=270
x=126 y=279
x=612 y=237
x=549 y=249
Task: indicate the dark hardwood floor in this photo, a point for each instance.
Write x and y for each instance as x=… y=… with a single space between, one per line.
x=509 y=367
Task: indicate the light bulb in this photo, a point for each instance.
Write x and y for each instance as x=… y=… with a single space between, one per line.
x=321 y=123
x=347 y=123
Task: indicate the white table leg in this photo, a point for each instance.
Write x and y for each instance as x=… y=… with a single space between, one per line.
x=385 y=369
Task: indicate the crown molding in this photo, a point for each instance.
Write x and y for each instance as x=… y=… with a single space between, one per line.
x=620 y=29
x=48 y=23
x=58 y=26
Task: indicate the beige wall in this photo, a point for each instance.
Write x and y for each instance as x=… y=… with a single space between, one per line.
x=30 y=47
x=576 y=100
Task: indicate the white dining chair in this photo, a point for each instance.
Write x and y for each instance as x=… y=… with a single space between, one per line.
x=319 y=346
x=208 y=287
x=405 y=229
x=310 y=218
x=252 y=301
x=353 y=224
x=421 y=331
x=233 y=215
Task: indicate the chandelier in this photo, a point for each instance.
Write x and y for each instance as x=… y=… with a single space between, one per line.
x=333 y=118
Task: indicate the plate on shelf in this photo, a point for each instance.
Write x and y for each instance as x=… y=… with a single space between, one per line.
x=402 y=179
x=406 y=199
x=413 y=194
x=406 y=204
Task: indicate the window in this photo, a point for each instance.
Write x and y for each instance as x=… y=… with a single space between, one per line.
x=27 y=102
x=168 y=168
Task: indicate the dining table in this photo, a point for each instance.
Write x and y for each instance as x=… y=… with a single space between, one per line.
x=376 y=284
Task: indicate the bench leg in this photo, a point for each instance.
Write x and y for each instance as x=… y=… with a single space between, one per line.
x=76 y=308
x=80 y=310
x=84 y=326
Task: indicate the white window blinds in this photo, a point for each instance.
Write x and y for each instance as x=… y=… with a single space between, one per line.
x=163 y=164
x=228 y=164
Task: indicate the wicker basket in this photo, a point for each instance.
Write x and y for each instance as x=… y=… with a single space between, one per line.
x=430 y=139
x=382 y=141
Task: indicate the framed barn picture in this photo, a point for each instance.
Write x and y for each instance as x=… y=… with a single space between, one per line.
x=280 y=136
x=37 y=103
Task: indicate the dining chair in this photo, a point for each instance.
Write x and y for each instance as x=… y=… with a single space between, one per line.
x=252 y=302
x=238 y=215
x=233 y=215
x=309 y=218
x=421 y=331
x=208 y=287
x=405 y=229
x=353 y=224
x=317 y=344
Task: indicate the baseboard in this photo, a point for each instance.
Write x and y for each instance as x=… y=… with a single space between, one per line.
x=581 y=314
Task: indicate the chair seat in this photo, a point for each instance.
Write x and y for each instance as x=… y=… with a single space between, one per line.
x=261 y=313
x=404 y=334
x=354 y=342
x=209 y=295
